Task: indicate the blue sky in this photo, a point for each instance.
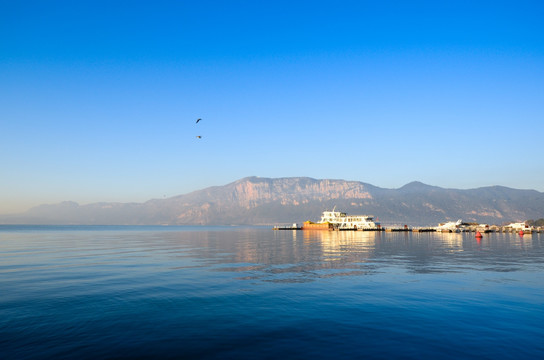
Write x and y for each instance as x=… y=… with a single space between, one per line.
x=98 y=99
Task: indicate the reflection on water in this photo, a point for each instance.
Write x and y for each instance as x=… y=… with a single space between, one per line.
x=369 y=252
x=268 y=255
x=237 y=292
x=308 y=255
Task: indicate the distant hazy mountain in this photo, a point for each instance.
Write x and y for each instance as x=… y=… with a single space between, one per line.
x=255 y=200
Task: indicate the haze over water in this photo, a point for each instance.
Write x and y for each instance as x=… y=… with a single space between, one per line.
x=244 y=292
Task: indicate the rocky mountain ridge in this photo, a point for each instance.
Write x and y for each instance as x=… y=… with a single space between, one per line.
x=260 y=201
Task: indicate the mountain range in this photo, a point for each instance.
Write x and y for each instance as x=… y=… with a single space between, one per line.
x=267 y=201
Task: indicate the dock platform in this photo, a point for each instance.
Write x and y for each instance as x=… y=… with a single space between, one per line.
x=287 y=227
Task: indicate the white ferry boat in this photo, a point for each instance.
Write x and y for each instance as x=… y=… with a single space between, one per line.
x=343 y=221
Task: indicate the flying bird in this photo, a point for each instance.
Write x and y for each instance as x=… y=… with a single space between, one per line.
x=199 y=137
x=197 y=120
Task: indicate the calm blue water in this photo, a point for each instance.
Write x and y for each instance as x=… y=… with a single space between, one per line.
x=230 y=292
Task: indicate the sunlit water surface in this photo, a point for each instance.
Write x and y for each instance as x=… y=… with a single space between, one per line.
x=232 y=292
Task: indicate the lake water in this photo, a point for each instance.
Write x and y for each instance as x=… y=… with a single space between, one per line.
x=241 y=292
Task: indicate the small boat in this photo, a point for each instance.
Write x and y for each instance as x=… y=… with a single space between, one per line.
x=519 y=227
x=451 y=226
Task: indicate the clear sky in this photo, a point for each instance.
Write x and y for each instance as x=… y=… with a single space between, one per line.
x=98 y=99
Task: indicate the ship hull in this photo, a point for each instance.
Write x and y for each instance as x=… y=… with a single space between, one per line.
x=308 y=225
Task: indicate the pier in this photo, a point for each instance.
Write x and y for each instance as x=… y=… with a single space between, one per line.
x=341 y=221
x=287 y=227
x=405 y=228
